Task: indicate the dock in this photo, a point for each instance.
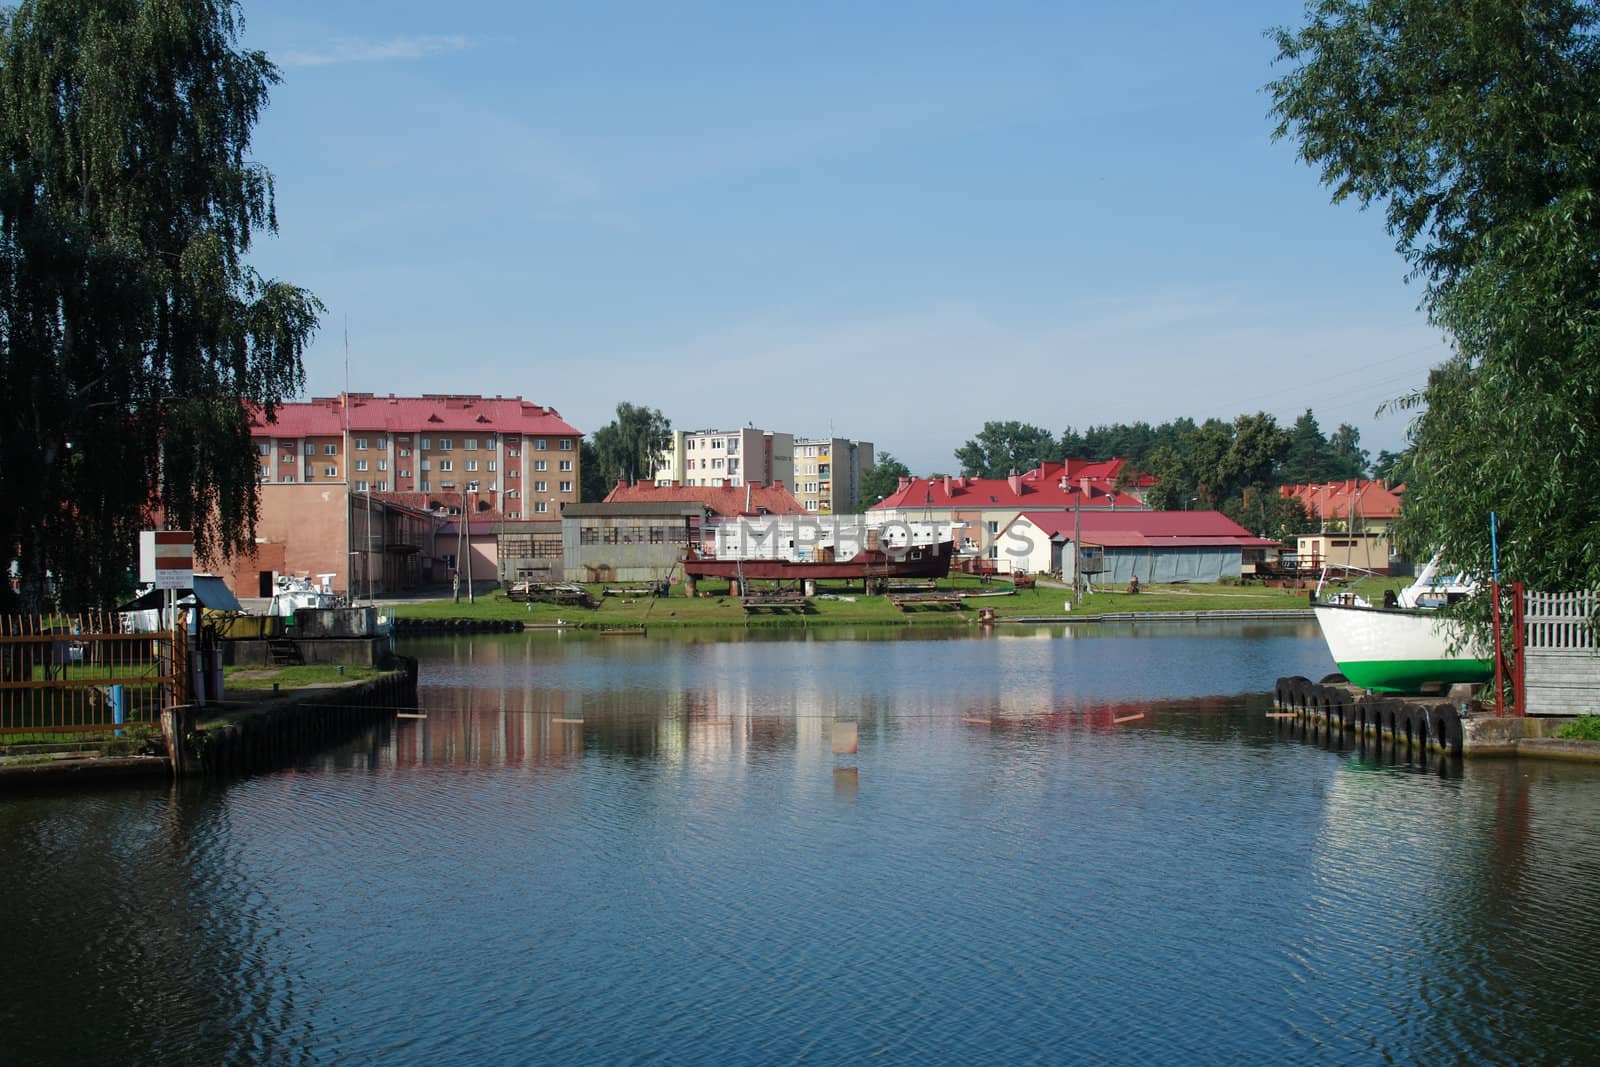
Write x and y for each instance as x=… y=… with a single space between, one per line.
x=775 y=602
x=917 y=601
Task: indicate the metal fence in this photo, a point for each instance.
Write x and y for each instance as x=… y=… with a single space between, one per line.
x=1560 y=653
x=61 y=674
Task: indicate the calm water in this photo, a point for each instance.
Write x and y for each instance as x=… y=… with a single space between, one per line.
x=1001 y=874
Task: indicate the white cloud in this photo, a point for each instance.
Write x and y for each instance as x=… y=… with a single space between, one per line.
x=357 y=50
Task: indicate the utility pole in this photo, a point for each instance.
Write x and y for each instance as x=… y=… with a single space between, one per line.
x=1077 y=552
x=467 y=528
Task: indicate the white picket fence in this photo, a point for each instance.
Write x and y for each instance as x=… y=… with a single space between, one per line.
x=1562 y=656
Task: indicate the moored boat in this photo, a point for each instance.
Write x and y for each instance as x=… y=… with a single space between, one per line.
x=916 y=561
x=1397 y=650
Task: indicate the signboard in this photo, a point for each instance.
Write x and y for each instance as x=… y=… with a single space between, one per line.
x=166 y=558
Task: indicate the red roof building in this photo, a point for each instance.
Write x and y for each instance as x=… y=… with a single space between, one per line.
x=752 y=498
x=1374 y=505
x=1160 y=546
x=518 y=457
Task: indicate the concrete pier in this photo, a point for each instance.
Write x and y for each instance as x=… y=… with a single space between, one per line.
x=1453 y=724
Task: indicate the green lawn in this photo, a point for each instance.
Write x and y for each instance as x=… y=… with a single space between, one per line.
x=262 y=678
x=719 y=609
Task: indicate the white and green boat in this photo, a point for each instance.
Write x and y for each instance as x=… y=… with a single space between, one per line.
x=1402 y=648
x=1399 y=650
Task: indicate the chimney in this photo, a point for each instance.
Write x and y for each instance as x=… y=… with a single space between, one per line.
x=622 y=483
x=905 y=482
x=947 y=483
x=1084 y=489
x=1015 y=481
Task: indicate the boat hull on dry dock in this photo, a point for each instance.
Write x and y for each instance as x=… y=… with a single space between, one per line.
x=1400 y=651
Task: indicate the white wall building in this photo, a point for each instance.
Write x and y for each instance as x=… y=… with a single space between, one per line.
x=828 y=472
x=727 y=457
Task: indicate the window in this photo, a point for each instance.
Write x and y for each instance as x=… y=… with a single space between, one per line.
x=539 y=465
x=383 y=487
x=361 y=487
x=383 y=464
x=330 y=450
x=287 y=457
x=311 y=449
x=513 y=474
x=383 y=442
x=689 y=444
x=489 y=466
x=444 y=444
x=716 y=464
x=405 y=453
x=514 y=452
x=472 y=464
x=566 y=444
x=733 y=446
x=717 y=443
x=493 y=487
x=472 y=444
x=287 y=479
x=539 y=507
x=425 y=444
x=330 y=472
x=566 y=465
x=264 y=449
x=512 y=494
x=540 y=444
x=361 y=444
x=405 y=474
x=361 y=464
x=566 y=487
x=657 y=535
x=446 y=465
x=588 y=535
x=488 y=443
x=539 y=487
x=424 y=486
x=472 y=487
x=514 y=515
x=427 y=464
x=265 y=473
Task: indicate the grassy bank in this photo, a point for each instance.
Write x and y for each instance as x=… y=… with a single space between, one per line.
x=838 y=603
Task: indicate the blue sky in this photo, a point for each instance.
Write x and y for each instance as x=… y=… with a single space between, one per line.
x=896 y=221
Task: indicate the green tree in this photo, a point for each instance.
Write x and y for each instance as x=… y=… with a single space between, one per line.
x=878 y=482
x=1393 y=467
x=630 y=446
x=1473 y=122
x=1002 y=447
x=592 y=484
x=1216 y=463
x=132 y=330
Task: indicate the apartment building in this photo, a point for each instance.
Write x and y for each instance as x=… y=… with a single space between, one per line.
x=828 y=472
x=713 y=458
x=509 y=455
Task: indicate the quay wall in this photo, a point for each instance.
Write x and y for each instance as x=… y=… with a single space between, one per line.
x=279 y=731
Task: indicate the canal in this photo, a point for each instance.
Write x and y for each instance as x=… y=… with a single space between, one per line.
x=1051 y=846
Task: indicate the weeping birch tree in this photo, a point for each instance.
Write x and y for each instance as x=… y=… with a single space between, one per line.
x=131 y=326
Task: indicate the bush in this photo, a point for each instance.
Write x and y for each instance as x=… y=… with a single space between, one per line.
x=1583 y=728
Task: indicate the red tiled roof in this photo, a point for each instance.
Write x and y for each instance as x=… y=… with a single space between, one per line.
x=1335 y=500
x=772 y=499
x=1048 y=485
x=1156 y=529
x=323 y=417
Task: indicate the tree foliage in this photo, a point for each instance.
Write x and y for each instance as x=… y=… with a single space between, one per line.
x=1311 y=457
x=131 y=327
x=1474 y=124
x=1003 y=447
x=629 y=447
x=1217 y=463
x=878 y=482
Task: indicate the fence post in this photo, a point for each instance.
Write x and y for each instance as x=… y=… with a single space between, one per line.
x=1519 y=646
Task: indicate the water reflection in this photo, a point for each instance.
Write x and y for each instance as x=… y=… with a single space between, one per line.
x=607 y=851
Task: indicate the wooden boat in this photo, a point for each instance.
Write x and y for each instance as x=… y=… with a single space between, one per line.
x=1399 y=650
x=920 y=561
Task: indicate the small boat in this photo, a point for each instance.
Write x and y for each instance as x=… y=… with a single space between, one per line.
x=1402 y=648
